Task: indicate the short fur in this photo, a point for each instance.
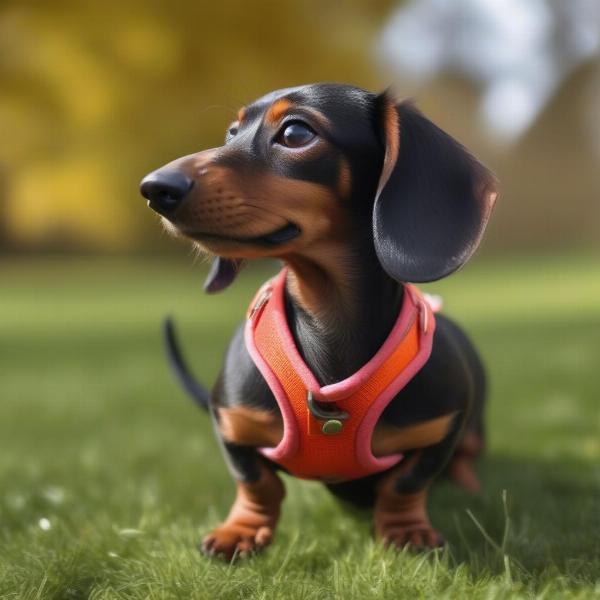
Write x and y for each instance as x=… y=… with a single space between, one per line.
x=379 y=196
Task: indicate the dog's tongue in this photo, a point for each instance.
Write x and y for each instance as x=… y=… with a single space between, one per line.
x=222 y=273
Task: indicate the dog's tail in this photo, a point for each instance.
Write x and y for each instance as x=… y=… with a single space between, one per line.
x=196 y=390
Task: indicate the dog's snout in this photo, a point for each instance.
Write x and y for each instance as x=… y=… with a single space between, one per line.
x=165 y=189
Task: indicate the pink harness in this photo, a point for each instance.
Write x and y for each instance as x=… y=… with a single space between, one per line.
x=327 y=430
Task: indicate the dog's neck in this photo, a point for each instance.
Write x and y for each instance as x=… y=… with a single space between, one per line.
x=340 y=306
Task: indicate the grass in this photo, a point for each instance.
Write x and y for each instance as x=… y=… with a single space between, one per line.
x=109 y=475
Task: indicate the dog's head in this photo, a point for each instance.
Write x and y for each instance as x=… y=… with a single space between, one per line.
x=306 y=169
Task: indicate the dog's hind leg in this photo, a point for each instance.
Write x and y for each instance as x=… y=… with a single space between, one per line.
x=471 y=443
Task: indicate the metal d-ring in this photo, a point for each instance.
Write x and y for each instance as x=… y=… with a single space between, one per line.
x=332 y=418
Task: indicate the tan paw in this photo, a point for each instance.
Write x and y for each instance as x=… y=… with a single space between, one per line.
x=233 y=541
x=418 y=536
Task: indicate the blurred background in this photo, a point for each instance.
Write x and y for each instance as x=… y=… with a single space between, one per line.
x=97 y=443
x=94 y=95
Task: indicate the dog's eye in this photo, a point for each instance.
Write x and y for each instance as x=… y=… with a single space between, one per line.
x=295 y=135
x=231 y=133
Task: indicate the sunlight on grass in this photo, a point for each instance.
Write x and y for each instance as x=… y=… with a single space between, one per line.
x=110 y=475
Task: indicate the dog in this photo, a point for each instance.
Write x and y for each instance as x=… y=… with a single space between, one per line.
x=358 y=194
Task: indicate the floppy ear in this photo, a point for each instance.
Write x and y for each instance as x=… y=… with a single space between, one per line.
x=433 y=200
x=222 y=273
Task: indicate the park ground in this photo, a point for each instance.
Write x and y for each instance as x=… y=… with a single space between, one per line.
x=109 y=475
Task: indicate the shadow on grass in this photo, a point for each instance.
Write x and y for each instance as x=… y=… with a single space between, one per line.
x=534 y=520
x=538 y=514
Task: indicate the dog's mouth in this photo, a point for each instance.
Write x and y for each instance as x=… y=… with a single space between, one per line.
x=284 y=234
x=280 y=236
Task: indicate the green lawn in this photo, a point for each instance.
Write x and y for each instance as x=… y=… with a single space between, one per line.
x=109 y=475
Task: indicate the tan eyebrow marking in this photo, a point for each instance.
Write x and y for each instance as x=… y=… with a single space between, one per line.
x=241 y=114
x=276 y=110
x=279 y=108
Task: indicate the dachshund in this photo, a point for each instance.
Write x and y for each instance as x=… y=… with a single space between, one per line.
x=357 y=194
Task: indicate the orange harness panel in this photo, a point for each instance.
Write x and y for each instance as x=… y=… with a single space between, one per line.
x=327 y=430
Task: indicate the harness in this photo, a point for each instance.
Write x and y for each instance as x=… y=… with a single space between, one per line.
x=327 y=430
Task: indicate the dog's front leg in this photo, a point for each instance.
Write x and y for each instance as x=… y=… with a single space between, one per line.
x=400 y=512
x=253 y=517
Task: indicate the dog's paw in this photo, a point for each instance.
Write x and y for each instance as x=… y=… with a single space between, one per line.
x=417 y=536
x=235 y=541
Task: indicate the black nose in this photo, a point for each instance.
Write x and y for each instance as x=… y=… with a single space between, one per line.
x=165 y=189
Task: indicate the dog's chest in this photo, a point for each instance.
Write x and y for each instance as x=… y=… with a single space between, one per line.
x=247 y=426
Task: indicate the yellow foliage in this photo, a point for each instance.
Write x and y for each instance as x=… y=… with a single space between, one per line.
x=96 y=94
x=146 y=46
x=71 y=202
x=83 y=85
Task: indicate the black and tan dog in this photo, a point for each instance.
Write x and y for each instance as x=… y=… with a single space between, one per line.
x=357 y=194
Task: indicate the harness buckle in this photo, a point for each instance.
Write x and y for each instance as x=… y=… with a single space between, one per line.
x=332 y=418
x=260 y=303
